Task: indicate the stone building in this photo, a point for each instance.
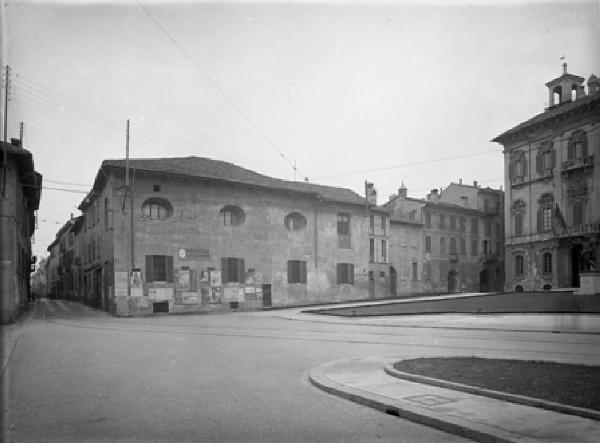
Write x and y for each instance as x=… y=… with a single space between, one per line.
x=62 y=272
x=452 y=241
x=552 y=178
x=194 y=234
x=20 y=189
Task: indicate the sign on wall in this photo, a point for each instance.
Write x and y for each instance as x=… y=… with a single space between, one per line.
x=183 y=279
x=233 y=294
x=160 y=294
x=215 y=295
x=194 y=254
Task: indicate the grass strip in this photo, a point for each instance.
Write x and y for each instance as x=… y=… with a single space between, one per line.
x=569 y=384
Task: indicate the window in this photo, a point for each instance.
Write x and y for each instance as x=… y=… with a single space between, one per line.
x=159 y=268
x=427 y=243
x=518 y=265
x=485 y=246
x=518 y=211
x=453 y=222
x=474 y=248
x=371 y=250
x=402 y=236
x=428 y=219
x=232 y=215
x=442 y=221
x=518 y=167
x=295 y=221
x=487 y=226
x=452 y=245
x=545 y=213
x=296 y=271
x=383 y=251
x=578 y=213
x=382 y=274
x=442 y=245
x=156 y=209
x=232 y=270
x=345 y=273
x=462 y=224
x=463 y=246
x=427 y=271
x=156 y=188
x=415 y=269
x=383 y=225
x=106 y=213
x=577 y=148
x=499 y=232
x=545 y=159
x=343 y=224
x=372 y=223
x=413 y=239
x=475 y=226
x=547 y=262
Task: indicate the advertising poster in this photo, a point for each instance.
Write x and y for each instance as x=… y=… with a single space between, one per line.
x=183 y=279
x=215 y=278
x=189 y=298
x=215 y=294
x=136 y=278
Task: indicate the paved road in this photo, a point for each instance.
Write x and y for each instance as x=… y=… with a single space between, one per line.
x=77 y=374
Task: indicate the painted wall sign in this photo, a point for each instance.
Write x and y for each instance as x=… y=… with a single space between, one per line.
x=194 y=254
x=189 y=298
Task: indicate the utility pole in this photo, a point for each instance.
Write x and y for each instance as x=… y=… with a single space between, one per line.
x=6 y=100
x=21 y=130
x=128 y=191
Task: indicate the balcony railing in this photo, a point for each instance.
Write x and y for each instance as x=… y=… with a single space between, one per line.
x=488 y=257
x=344 y=241
x=577 y=163
x=546 y=173
x=516 y=181
x=573 y=231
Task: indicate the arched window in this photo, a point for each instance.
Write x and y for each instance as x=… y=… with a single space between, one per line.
x=574 y=92
x=518 y=265
x=232 y=215
x=157 y=208
x=545 y=159
x=518 y=211
x=557 y=95
x=544 y=215
x=295 y=221
x=547 y=263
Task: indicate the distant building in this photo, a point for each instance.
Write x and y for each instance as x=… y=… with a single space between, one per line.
x=552 y=177
x=62 y=267
x=207 y=235
x=452 y=241
x=20 y=189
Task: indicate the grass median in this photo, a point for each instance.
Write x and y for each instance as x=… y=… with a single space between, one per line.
x=568 y=384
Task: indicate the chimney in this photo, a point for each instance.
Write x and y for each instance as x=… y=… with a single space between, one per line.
x=475 y=183
x=371 y=193
x=460 y=181
x=593 y=85
x=15 y=141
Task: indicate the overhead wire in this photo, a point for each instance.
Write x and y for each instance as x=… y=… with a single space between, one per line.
x=219 y=89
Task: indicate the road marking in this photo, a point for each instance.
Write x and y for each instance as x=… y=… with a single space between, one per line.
x=63 y=306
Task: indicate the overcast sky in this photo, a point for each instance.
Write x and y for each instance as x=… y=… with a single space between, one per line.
x=348 y=91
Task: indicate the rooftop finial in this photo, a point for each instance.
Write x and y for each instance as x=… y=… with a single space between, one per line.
x=563 y=58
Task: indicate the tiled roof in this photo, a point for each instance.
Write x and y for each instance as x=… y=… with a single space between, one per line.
x=219 y=170
x=550 y=114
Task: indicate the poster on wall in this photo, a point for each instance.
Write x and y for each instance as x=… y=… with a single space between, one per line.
x=253 y=278
x=215 y=278
x=189 y=298
x=205 y=295
x=183 y=279
x=233 y=294
x=204 y=276
x=215 y=294
x=136 y=278
x=160 y=294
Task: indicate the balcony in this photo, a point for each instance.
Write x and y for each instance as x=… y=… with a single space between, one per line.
x=578 y=230
x=517 y=181
x=453 y=257
x=488 y=258
x=586 y=163
x=546 y=173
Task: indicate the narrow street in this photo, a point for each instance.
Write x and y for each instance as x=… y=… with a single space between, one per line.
x=77 y=374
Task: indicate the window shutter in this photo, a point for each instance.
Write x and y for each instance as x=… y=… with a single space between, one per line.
x=169 y=270
x=290 y=271
x=303 y=272
x=351 y=273
x=540 y=220
x=553 y=151
x=339 y=273
x=224 y=270
x=524 y=164
x=584 y=148
x=241 y=270
x=538 y=161
x=149 y=268
x=571 y=151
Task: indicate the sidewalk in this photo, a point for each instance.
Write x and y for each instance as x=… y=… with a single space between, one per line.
x=364 y=381
x=9 y=334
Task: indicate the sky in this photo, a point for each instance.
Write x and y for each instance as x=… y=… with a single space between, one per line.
x=386 y=91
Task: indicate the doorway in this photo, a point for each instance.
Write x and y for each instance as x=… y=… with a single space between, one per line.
x=453 y=281
x=484 y=280
x=266 y=296
x=393 y=281
x=575 y=265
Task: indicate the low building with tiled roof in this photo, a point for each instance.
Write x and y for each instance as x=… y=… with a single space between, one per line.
x=195 y=234
x=552 y=181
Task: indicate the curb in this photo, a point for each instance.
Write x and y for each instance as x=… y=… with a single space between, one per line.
x=514 y=398
x=9 y=342
x=318 y=378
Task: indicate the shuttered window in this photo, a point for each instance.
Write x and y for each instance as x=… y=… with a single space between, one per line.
x=345 y=273
x=232 y=270
x=159 y=268
x=296 y=271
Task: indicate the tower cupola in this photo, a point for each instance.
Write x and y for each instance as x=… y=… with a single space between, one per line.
x=566 y=88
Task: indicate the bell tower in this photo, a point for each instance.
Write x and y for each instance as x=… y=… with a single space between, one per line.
x=564 y=89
